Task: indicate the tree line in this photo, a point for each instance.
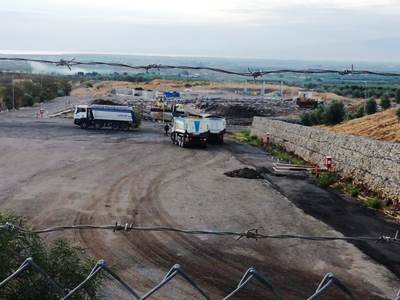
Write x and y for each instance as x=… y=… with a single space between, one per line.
x=336 y=112
x=361 y=90
x=27 y=91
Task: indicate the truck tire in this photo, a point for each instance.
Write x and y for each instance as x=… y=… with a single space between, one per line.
x=84 y=125
x=114 y=126
x=181 y=141
x=173 y=137
x=124 y=127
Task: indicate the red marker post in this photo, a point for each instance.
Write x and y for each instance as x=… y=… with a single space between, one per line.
x=266 y=138
x=329 y=163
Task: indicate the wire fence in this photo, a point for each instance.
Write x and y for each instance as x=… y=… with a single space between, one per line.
x=251 y=274
x=250 y=73
x=253 y=233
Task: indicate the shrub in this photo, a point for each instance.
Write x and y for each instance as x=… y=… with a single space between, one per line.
x=306 y=119
x=89 y=85
x=385 y=102
x=330 y=114
x=398 y=114
x=352 y=190
x=138 y=118
x=317 y=115
x=254 y=140
x=370 y=106
x=65 y=264
x=334 y=113
x=360 y=112
x=326 y=179
x=397 y=95
x=374 y=202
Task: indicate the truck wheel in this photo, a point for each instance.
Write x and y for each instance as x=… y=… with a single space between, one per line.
x=84 y=125
x=124 y=127
x=173 y=137
x=114 y=126
x=183 y=142
x=221 y=139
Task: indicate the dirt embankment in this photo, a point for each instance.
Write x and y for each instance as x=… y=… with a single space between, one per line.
x=380 y=126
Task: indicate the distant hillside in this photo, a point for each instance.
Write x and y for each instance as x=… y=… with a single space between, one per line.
x=380 y=126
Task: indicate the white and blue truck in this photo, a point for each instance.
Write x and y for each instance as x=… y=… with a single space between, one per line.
x=187 y=131
x=99 y=116
x=217 y=128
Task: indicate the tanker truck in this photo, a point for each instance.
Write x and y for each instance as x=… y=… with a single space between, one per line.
x=99 y=116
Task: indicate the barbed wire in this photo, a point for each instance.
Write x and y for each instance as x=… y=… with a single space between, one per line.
x=397 y=296
x=250 y=233
x=329 y=280
x=250 y=73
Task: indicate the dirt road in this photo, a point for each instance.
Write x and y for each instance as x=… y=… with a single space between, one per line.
x=54 y=173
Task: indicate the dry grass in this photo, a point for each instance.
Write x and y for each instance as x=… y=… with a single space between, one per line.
x=380 y=126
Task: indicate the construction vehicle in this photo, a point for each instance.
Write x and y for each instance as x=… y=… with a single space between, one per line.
x=187 y=131
x=306 y=99
x=217 y=128
x=99 y=116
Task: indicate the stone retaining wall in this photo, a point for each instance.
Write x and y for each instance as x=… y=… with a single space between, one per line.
x=374 y=164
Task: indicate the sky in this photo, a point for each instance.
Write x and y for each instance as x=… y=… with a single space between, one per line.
x=342 y=30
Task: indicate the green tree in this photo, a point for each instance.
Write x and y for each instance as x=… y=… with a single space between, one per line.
x=334 y=113
x=370 y=106
x=385 y=101
x=65 y=264
x=317 y=115
x=306 y=119
x=397 y=95
x=360 y=112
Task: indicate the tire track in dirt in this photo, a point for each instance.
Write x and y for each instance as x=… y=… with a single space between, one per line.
x=216 y=270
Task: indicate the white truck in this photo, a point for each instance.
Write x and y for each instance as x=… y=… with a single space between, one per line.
x=99 y=116
x=189 y=131
x=217 y=128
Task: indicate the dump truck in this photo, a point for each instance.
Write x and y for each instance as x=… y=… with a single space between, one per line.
x=188 y=131
x=99 y=116
x=217 y=128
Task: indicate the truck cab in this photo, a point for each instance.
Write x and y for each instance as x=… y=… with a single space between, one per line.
x=81 y=115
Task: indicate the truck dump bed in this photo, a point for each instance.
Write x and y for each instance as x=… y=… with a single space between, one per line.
x=112 y=112
x=190 y=125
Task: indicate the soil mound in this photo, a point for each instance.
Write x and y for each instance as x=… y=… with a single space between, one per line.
x=245 y=173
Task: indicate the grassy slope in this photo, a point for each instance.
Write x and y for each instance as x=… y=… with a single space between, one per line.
x=381 y=126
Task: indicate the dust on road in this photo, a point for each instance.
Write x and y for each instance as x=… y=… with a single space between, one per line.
x=54 y=173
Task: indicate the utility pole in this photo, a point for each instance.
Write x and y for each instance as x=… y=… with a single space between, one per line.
x=366 y=90
x=13 y=92
x=263 y=89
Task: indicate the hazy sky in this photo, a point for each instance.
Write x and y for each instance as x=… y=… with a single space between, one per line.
x=286 y=29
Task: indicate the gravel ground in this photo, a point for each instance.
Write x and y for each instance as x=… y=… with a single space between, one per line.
x=55 y=173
